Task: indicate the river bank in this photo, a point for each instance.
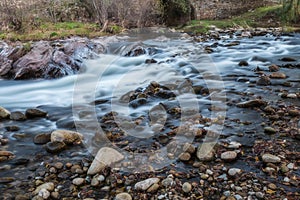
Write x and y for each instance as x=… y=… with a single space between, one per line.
x=234 y=90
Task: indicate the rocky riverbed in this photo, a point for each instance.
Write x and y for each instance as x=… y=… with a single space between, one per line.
x=240 y=140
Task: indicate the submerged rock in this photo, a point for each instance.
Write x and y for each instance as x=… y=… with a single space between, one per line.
x=34 y=112
x=252 y=103
x=55 y=146
x=105 y=157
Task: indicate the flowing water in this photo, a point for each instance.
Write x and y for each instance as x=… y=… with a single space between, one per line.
x=181 y=66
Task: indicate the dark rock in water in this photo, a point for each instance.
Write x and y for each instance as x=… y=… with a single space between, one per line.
x=243 y=63
x=288 y=59
x=12 y=128
x=278 y=75
x=138 y=102
x=150 y=61
x=274 y=68
x=42 y=138
x=67 y=123
x=55 y=146
x=46 y=59
x=263 y=81
x=44 y=62
x=33 y=112
x=20 y=161
x=6 y=179
x=252 y=104
x=17 y=116
x=137 y=51
x=269 y=130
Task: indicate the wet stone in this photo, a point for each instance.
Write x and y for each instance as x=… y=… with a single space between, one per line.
x=43 y=138
x=186 y=187
x=264 y=81
x=123 y=196
x=229 y=156
x=4 y=114
x=274 y=68
x=252 y=104
x=234 y=171
x=269 y=130
x=78 y=181
x=185 y=156
x=17 y=116
x=105 y=157
x=6 y=179
x=243 y=63
x=55 y=147
x=278 y=75
x=34 y=112
x=269 y=158
x=12 y=128
x=66 y=136
x=294 y=112
x=144 y=185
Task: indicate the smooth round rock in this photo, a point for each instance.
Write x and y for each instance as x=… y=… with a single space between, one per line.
x=44 y=193
x=78 y=181
x=234 y=171
x=66 y=136
x=269 y=158
x=17 y=116
x=269 y=130
x=278 y=75
x=123 y=196
x=185 y=156
x=274 y=68
x=34 y=112
x=55 y=147
x=229 y=156
x=43 y=138
x=186 y=187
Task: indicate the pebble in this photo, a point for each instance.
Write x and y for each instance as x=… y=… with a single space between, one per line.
x=205 y=152
x=269 y=130
x=234 y=145
x=294 y=113
x=291 y=166
x=106 y=156
x=186 y=187
x=272 y=186
x=48 y=186
x=78 y=181
x=168 y=182
x=234 y=171
x=144 y=185
x=238 y=197
x=44 y=193
x=153 y=188
x=123 y=196
x=269 y=158
x=227 y=193
x=4 y=114
x=229 y=156
x=292 y=96
x=68 y=137
x=259 y=195
x=33 y=112
x=286 y=179
x=185 y=156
